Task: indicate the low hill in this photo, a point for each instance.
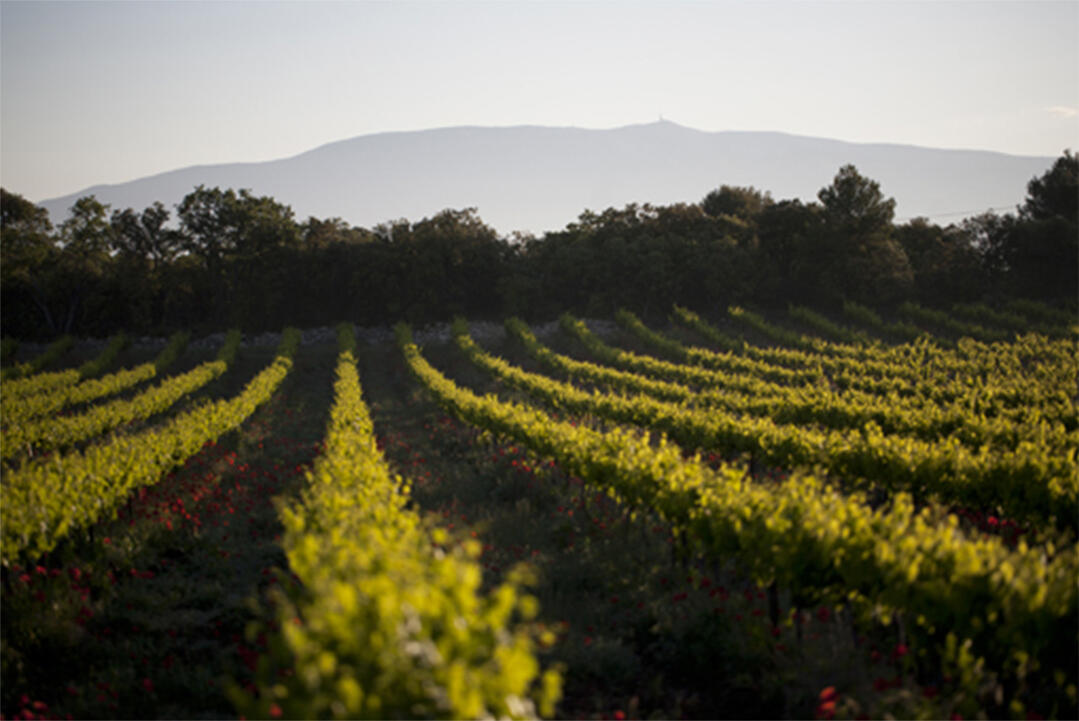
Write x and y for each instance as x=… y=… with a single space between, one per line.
x=535 y=179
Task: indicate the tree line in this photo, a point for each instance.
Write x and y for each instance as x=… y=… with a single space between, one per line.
x=233 y=259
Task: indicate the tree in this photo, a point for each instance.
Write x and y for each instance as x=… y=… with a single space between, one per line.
x=145 y=236
x=20 y=217
x=1056 y=193
x=944 y=262
x=1035 y=254
x=865 y=262
x=450 y=263
x=855 y=204
x=225 y=225
x=738 y=202
x=247 y=245
x=143 y=249
x=788 y=263
x=990 y=235
x=207 y=222
x=86 y=233
x=80 y=276
x=25 y=235
x=317 y=233
x=63 y=278
x=1044 y=251
x=28 y=255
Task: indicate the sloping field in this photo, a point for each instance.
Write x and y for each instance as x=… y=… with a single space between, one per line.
x=740 y=516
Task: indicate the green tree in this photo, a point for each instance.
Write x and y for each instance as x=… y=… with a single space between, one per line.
x=788 y=263
x=1035 y=253
x=19 y=218
x=80 y=278
x=451 y=263
x=28 y=255
x=1056 y=193
x=866 y=263
x=1043 y=254
x=225 y=225
x=316 y=233
x=86 y=233
x=944 y=262
x=739 y=202
x=208 y=222
x=143 y=248
x=855 y=204
x=144 y=235
x=248 y=246
x=990 y=235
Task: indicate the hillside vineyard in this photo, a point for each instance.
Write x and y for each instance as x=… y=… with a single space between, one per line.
x=723 y=515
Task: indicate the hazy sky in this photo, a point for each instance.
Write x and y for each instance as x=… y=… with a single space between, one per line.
x=107 y=92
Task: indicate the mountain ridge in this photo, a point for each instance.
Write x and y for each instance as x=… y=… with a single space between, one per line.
x=538 y=178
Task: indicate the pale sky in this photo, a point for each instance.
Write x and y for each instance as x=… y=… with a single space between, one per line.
x=95 y=92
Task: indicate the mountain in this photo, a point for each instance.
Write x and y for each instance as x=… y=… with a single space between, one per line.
x=533 y=178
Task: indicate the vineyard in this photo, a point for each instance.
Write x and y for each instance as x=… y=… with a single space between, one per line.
x=738 y=515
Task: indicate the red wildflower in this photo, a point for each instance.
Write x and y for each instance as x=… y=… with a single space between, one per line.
x=826 y=710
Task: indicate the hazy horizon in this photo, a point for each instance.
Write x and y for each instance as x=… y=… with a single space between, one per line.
x=536 y=178
x=107 y=92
